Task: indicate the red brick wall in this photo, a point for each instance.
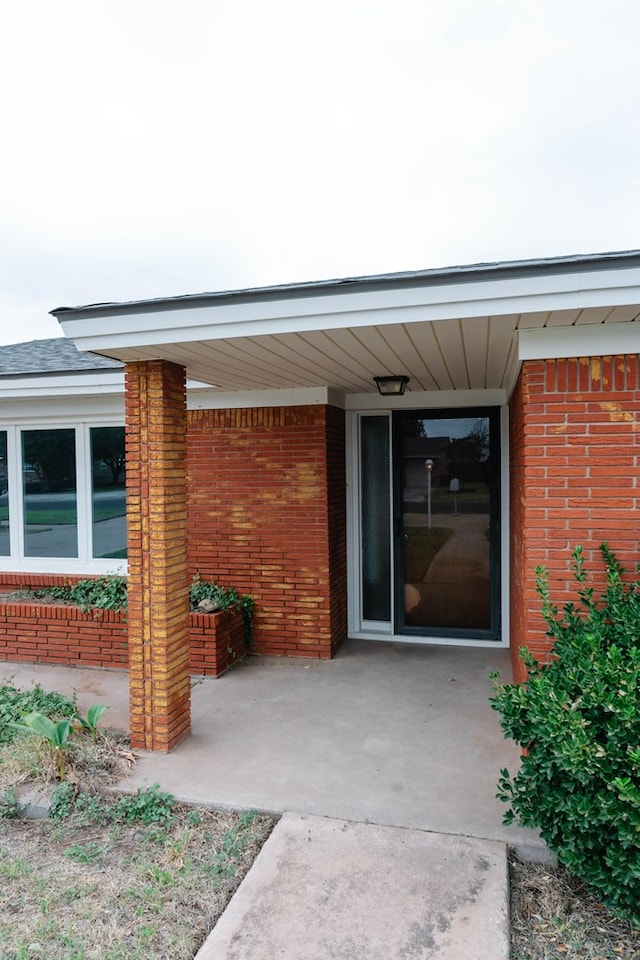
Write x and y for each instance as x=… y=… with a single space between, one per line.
x=49 y=633
x=62 y=634
x=267 y=516
x=575 y=479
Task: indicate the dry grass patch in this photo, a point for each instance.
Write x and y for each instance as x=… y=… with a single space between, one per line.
x=554 y=916
x=117 y=889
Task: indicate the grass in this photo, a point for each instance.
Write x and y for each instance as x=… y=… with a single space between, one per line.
x=420 y=549
x=118 y=890
x=107 y=876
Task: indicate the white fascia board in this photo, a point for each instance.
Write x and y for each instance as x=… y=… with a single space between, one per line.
x=426 y=399
x=203 y=399
x=498 y=297
x=105 y=410
x=585 y=340
x=74 y=385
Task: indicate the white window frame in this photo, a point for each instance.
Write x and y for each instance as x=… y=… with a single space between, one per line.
x=84 y=563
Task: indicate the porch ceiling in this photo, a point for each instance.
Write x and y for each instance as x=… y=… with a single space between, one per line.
x=452 y=329
x=474 y=353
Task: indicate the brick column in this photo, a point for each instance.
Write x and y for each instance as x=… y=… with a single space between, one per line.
x=575 y=480
x=158 y=614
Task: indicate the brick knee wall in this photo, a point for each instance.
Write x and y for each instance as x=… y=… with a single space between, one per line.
x=63 y=634
x=574 y=477
x=267 y=516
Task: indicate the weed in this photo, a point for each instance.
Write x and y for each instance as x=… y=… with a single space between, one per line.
x=90 y=722
x=148 y=804
x=15 y=703
x=89 y=852
x=62 y=799
x=235 y=842
x=55 y=735
x=92 y=808
x=106 y=593
x=8 y=803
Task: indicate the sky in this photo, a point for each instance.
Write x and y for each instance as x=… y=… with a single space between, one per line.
x=152 y=148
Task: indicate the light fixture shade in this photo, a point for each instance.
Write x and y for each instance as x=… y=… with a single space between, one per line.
x=392 y=386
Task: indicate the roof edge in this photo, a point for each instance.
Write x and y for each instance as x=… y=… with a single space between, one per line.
x=385 y=281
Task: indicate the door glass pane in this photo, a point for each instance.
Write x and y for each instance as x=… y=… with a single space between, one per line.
x=108 y=501
x=445 y=491
x=375 y=519
x=4 y=497
x=49 y=490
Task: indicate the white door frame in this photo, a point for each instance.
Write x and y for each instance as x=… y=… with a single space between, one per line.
x=378 y=630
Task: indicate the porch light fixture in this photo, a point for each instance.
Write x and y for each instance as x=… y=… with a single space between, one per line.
x=392 y=386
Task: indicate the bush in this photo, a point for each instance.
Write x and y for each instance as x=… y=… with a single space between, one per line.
x=577 y=719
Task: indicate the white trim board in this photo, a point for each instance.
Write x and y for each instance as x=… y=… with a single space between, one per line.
x=579 y=341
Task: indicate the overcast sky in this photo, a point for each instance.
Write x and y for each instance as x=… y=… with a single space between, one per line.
x=154 y=148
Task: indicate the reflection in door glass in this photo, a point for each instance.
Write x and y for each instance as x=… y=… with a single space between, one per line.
x=4 y=497
x=49 y=490
x=375 y=517
x=446 y=522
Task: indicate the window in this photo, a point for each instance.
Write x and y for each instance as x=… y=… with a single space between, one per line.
x=62 y=498
x=49 y=488
x=108 y=505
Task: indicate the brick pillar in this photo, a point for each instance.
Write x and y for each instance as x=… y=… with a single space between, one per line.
x=575 y=480
x=158 y=614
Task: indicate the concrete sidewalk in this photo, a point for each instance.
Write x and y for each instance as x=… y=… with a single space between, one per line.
x=334 y=890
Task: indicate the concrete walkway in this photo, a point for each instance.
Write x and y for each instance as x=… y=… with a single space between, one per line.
x=377 y=750
x=334 y=890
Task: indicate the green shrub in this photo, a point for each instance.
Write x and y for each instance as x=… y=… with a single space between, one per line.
x=578 y=720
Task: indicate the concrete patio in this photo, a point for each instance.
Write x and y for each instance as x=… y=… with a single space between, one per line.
x=399 y=735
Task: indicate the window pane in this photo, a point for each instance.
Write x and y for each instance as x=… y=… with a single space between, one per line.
x=108 y=493
x=49 y=489
x=4 y=497
x=375 y=519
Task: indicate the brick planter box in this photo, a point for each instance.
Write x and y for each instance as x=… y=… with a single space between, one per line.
x=58 y=633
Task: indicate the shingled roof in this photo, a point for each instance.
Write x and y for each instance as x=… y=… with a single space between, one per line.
x=57 y=355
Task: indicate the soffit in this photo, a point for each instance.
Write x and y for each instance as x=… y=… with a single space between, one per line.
x=458 y=354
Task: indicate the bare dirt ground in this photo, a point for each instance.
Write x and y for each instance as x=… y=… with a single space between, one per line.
x=553 y=916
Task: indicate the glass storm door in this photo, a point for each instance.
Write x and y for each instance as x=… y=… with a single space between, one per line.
x=446 y=521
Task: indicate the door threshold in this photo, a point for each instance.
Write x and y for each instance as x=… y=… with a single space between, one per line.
x=430 y=641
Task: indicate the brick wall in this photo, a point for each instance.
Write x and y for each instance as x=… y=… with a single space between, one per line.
x=63 y=634
x=267 y=516
x=575 y=479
